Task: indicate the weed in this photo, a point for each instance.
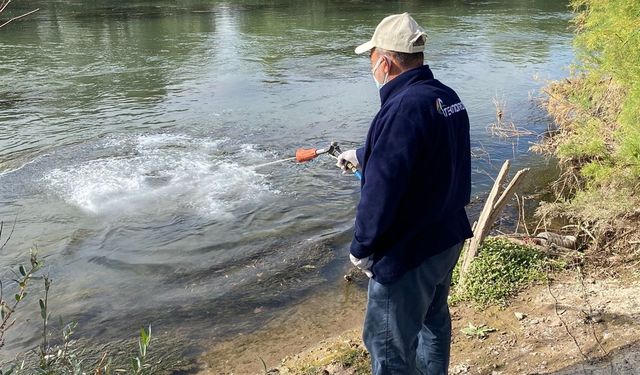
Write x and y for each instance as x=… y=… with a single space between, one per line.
x=479 y=332
x=357 y=360
x=498 y=272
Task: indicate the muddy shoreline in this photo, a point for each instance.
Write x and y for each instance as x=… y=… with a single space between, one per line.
x=573 y=325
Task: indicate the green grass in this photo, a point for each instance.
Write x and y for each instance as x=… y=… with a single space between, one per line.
x=500 y=270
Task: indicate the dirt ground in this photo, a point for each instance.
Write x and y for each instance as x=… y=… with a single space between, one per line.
x=548 y=328
x=573 y=324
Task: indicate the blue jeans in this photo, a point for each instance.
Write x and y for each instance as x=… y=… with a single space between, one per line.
x=407 y=327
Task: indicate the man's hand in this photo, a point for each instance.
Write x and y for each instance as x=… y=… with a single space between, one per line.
x=347 y=156
x=363 y=264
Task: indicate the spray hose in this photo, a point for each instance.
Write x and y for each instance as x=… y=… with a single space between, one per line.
x=304 y=155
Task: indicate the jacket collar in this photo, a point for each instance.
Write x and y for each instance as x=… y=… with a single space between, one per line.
x=405 y=79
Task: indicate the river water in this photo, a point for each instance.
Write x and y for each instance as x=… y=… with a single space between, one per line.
x=128 y=131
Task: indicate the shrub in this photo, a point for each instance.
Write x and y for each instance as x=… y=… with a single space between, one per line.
x=597 y=112
x=501 y=269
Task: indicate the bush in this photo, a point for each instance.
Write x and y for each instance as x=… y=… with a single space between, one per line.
x=501 y=269
x=607 y=42
x=597 y=111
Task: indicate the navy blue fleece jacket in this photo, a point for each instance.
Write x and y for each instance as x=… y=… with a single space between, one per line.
x=416 y=176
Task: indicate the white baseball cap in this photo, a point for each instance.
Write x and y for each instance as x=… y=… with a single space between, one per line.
x=398 y=33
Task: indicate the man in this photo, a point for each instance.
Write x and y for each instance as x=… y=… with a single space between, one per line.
x=411 y=221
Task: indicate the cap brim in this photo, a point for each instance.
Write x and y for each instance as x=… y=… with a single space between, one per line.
x=364 y=47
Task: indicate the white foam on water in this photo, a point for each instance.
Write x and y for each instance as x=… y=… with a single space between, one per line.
x=150 y=141
x=163 y=173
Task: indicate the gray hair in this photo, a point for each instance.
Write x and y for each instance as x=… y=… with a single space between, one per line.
x=405 y=60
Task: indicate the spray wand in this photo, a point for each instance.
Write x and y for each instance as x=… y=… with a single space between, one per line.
x=304 y=155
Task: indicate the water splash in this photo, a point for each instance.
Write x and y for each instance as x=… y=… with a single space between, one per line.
x=151 y=174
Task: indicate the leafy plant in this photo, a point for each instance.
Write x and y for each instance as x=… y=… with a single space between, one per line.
x=137 y=363
x=501 y=269
x=480 y=332
x=23 y=277
x=64 y=358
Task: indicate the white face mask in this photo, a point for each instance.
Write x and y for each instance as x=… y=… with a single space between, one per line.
x=373 y=73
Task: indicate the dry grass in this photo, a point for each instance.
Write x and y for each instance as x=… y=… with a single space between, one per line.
x=502 y=127
x=338 y=356
x=571 y=102
x=584 y=113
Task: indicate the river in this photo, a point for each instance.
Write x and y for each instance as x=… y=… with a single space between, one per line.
x=128 y=131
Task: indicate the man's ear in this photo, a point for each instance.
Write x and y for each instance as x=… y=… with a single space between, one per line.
x=389 y=64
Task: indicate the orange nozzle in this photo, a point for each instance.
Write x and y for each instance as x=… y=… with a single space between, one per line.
x=303 y=154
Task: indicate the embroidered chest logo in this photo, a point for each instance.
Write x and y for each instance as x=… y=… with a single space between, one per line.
x=446 y=110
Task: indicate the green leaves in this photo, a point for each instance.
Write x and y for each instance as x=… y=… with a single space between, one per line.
x=501 y=269
x=479 y=332
x=145 y=339
x=43 y=309
x=137 y=363
x=607 y=40
x=608 y=36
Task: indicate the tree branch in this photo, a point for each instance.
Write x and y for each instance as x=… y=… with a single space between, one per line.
x=17 y=17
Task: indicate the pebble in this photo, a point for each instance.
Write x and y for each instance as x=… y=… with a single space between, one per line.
x=462 y=368
x=597 y=318
x=519 y=315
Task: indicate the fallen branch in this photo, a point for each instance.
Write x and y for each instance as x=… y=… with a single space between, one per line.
x=492 y=209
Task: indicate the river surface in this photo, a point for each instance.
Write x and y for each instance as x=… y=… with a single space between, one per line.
x=128 y=132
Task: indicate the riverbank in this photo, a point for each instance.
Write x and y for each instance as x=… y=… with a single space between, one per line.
x=576 y=318
x=131 y=170
x=589 y=312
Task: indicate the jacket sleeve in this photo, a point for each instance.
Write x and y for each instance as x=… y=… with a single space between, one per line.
x=360 y=155
x=387 y=174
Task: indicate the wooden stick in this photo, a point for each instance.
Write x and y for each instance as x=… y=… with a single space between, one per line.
x=492 y=209
x=506 y=195
x=482 y=220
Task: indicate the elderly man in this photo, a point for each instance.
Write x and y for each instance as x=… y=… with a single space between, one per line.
x=411 y=220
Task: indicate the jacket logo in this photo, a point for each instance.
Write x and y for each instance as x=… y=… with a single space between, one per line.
x=447 y=111
x=439 y=106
